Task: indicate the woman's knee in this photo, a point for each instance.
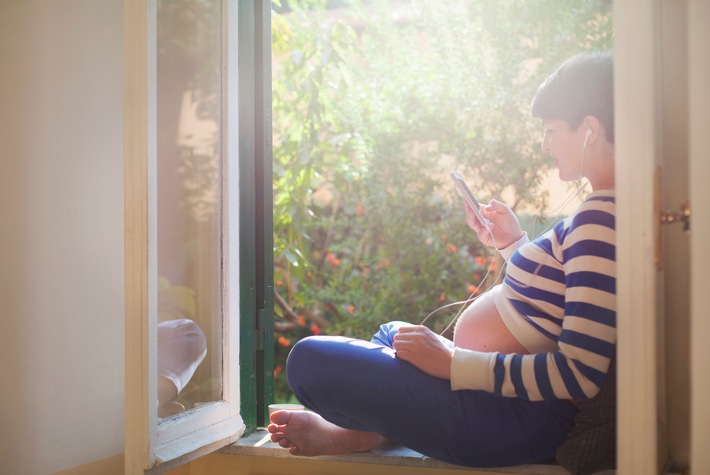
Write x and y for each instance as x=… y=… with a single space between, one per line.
x=305 y=357
x=192 y=338
x=307 y=368
x=320 y=361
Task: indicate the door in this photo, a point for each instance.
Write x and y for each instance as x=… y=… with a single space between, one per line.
x=699 y=151
x=662 y=116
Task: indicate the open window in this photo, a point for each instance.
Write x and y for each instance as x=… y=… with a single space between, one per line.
x=197 y=227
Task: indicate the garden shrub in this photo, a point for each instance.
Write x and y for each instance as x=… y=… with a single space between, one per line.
x=374 y=103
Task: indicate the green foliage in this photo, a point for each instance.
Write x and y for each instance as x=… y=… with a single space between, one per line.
x=374 y=104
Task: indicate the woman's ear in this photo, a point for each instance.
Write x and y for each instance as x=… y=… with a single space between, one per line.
x=593 y=129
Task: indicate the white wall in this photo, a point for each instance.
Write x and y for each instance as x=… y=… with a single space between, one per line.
x=61 y=233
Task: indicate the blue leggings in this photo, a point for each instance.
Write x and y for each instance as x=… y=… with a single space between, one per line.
x=362 y=386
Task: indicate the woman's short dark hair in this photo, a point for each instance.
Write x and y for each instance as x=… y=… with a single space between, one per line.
x=583 y=85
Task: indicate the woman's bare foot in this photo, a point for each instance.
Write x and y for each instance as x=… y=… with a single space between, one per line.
x=307 y=434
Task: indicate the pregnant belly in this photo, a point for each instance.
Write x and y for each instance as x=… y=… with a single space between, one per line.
x=481 y=328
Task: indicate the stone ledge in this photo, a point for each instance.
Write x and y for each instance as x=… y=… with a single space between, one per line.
x=258 y=444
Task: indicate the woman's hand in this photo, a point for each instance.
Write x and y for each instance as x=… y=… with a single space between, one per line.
x=422 y=347
x=504 y=227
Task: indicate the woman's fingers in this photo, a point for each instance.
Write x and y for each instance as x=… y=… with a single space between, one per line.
x=408 y=337
x=422 y=348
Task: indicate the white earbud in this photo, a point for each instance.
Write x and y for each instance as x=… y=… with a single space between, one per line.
x=586 y=136
x=584 y=150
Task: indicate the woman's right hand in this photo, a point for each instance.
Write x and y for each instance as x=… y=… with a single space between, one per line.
x=504 y=225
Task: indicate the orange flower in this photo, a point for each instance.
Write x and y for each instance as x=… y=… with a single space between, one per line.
x=301 y=321
x=360 y=210
x=315 y=329
x=283 y=341
x=472 y=288
x=450 y=248
x=442 y=297
x=383 y=263
x=334 y=261
x=279 y=283
x=480 y=261
x=350 y=309
x=277 y=371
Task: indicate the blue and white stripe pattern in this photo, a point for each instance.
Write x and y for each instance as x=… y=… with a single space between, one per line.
x=563 y=286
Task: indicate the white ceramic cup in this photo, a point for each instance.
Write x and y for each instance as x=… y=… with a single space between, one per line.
x=285 y=407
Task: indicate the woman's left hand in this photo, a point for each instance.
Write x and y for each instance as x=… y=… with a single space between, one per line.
x=422 y=347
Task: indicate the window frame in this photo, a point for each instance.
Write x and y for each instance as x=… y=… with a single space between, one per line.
x=153 y=445
x=253 y=338
x=637 y=122
x=256 y=193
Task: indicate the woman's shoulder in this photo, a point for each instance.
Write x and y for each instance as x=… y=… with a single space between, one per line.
x=598 y=207
x=595 y=216
x=599 y=198
x=598 y=210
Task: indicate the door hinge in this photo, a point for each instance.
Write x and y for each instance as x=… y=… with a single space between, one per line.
x=666 y=217
x=682 y=216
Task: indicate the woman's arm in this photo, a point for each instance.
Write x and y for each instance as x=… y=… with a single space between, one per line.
x=587 y=336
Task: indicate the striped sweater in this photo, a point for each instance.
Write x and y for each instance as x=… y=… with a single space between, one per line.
x=559 y=300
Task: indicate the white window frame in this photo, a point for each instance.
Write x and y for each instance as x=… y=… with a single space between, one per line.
x=637 y=122
x=153 y=445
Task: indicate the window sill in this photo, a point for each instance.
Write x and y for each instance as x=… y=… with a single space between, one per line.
x=258 y=444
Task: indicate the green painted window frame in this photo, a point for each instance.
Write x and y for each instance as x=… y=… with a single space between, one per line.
x=256 y=213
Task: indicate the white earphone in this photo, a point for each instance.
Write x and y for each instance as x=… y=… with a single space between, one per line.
x=584 y=150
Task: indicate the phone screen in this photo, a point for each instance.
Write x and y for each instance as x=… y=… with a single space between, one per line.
x=468 y=196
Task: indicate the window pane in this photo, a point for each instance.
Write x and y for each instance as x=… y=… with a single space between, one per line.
x=189 y=146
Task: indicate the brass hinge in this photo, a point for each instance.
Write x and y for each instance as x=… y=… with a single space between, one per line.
x=682 y=216
x=667 y=217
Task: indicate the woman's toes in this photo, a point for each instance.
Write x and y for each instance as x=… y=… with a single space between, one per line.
x=280 y=417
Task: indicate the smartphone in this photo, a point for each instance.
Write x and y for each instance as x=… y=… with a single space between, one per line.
x=468 y=196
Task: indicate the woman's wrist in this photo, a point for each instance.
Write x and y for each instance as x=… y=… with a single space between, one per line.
x=509 y=249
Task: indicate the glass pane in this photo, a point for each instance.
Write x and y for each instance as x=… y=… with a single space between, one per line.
x=189 y=138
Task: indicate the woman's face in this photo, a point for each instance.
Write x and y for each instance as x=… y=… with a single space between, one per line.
x=566 y=147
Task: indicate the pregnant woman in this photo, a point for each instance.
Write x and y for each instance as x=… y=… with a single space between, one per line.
x=501 y=393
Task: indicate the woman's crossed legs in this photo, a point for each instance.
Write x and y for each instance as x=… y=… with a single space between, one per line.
x=360 y=391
